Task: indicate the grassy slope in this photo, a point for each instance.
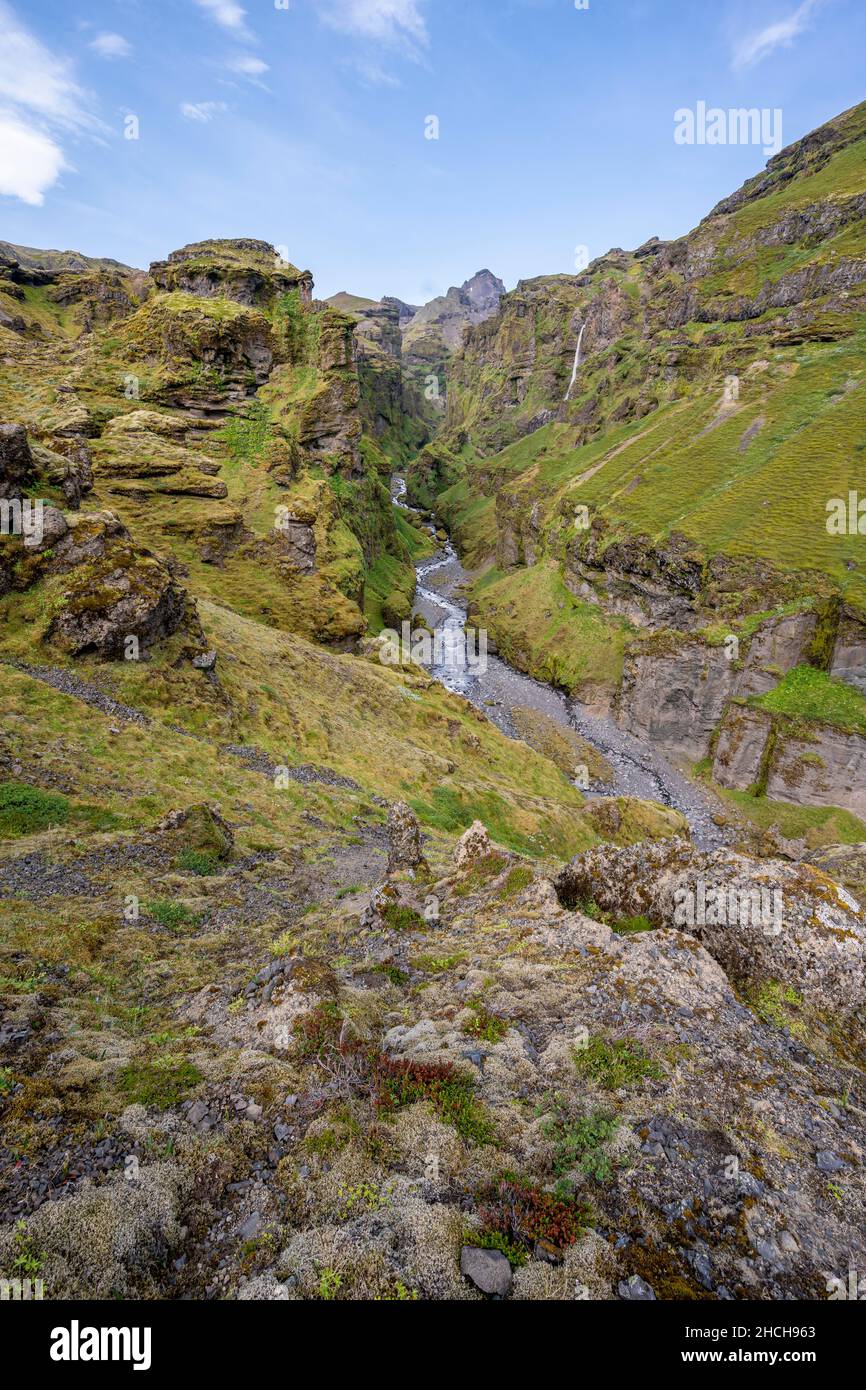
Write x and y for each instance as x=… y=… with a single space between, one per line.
x=754 y=480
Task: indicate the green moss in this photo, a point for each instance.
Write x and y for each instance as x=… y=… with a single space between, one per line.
x=161 y=1083
x=25 y=810
x=631 y=926
x=516 y=880
x=778 y=1005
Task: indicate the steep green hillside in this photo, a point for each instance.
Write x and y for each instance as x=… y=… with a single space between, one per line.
x=720 y=391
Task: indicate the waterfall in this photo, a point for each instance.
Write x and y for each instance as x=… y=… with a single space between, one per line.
x=576 y=361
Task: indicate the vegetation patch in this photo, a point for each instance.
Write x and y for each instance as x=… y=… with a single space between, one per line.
x=579 y=1143
x=24 y=810
x=484 y=1025
x=319 y=1030
x=172 y=915
x=613 y=1065
x=449 y=1091
x=778 y=1005
x=160 y=1083
x=196 y=861
x=631 y=926
x=516 y=1216
x=806 y=693
x=399 y=917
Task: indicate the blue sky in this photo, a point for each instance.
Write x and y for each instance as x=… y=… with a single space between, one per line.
x=304 y=124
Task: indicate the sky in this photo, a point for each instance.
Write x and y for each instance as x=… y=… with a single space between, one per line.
x=131 y=127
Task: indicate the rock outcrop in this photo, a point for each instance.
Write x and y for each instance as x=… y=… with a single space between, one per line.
x=768 y=923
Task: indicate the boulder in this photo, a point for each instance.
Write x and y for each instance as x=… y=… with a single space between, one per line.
x=474 y=844
x=16 y=461
x=488 y=1270
x=115 y=592
x=199 y=827
x=762 y=920
x=404 y=840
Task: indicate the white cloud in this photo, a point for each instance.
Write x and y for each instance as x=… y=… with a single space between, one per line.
x=202 y=111
x=111 y=46
x=30 y=160
x=249 y=67
x=384 y=21
x=32 y=77
x=759 y=45
x=226 y=13
x=39 y=100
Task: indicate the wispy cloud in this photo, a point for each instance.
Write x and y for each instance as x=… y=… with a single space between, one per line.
x=111 y=46
x=399 y=22
x=372 y=74
x=760 y=44
x=226 y=13
x=202 y=111
x=248 y=67
x=39 y=102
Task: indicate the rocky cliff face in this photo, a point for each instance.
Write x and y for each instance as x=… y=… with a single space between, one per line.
x=226 y=418
x=679 y=470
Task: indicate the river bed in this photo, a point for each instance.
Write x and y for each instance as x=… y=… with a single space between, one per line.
x=499 y=689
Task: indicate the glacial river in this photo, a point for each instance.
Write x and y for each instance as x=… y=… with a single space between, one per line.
x=499 y=689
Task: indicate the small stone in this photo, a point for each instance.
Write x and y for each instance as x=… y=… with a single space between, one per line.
x=829 y=1162
x=197 y=1112
x=254 y=1112
x=488 y=1270
x=251 y=1227
x=636 y=1290
x=206 y=661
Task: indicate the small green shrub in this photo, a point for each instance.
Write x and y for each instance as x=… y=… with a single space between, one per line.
x=318 y=1031
x=579 y=1143
x=523 y=1214
x=401 y=918
x=172 y=915
x=330 y=1283
x=449 y=1091
x=485 y=1025
x=613 y=1065
x=196 y=861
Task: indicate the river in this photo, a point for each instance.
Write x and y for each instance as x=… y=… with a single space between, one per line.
x=499 y=689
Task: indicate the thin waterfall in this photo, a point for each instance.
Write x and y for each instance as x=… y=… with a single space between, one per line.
x=576 y=361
